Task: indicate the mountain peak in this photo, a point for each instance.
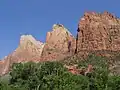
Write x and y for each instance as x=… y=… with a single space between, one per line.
x=57 y=40
x=60 y=27
x=29 y=38
x=96 y=31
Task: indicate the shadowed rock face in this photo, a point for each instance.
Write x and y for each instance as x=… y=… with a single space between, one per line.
x=59 y=43
x=98 y=32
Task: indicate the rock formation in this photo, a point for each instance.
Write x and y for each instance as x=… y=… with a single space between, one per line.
x=59 y=43
x=28 y=50
x=83 y=71
x=5 y=65
x=98 y=31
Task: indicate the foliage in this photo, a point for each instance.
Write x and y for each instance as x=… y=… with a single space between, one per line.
x=4 y=86
x=44 y=76
x=114 y=83
x=101 y=79
x=54 y=76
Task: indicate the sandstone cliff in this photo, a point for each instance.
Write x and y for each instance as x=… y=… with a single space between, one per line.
x=59 y=43
x=28 y=50
x=98 y=31
x=4 y=66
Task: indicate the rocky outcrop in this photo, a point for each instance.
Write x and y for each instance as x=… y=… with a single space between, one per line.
x=59 y=43
x=5 y=65
x=98 y=31
x=83 y=71
x=28 y=50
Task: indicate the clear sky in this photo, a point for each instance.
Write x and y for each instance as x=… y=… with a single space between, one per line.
x=36 y=17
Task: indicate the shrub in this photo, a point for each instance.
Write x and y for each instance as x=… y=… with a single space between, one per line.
x=44 y=76
x=54 y=76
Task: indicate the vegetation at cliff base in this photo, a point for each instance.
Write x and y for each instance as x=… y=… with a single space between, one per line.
x=54 y=76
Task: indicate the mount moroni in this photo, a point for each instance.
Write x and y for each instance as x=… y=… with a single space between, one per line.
x=97 y=32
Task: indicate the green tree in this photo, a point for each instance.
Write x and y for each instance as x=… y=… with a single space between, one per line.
x=54 y=76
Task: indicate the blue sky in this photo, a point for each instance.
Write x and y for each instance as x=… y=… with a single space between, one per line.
x=36 y=17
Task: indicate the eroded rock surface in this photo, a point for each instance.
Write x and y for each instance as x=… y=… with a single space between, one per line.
x=59 y=43
x=98 y=31
x=28 y=50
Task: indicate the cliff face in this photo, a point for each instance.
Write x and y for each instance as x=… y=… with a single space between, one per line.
x=4 y=66
x=98 y=32
x=59 y=43
x=28 y=50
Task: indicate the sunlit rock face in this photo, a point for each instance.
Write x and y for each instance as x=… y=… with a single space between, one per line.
x=29 y=49
x=98 y=31
x=59 y=43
